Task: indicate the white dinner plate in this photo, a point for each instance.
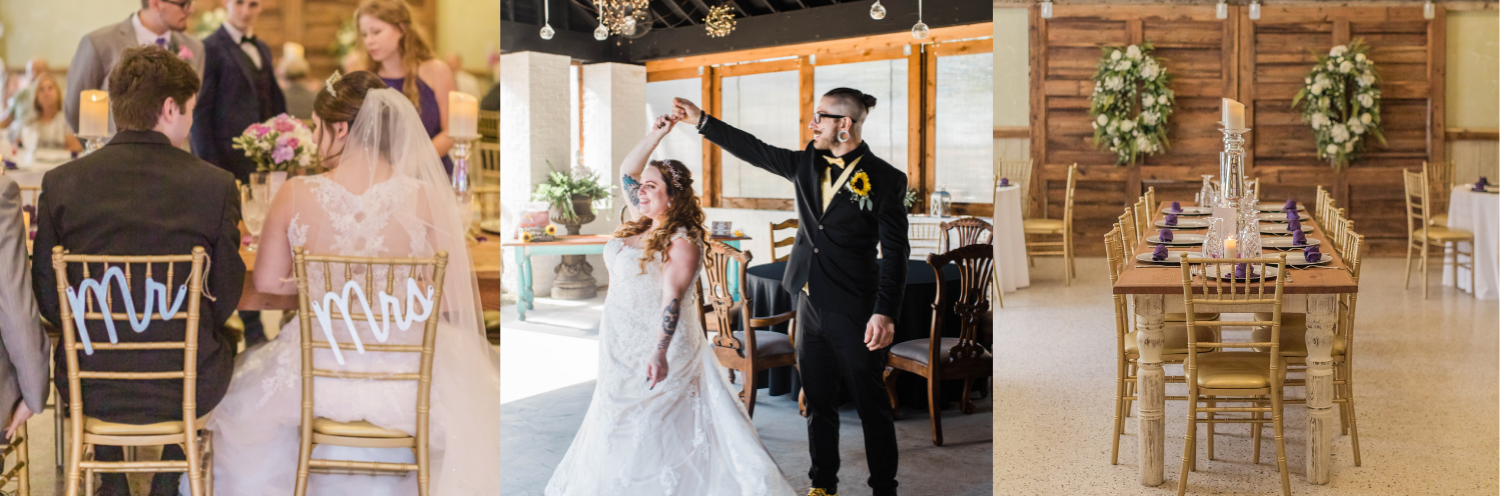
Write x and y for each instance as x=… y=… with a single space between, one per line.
x=1286 y=243
x=1277 y=207
x=1297 y=258
x=1279 y=229
x=1184 y=223
x=1228 y=273
x=1189 y=211
x=1177 y=239
x=1173 y=257
x=1280 y=217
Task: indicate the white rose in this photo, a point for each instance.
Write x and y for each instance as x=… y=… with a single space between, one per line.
x=1142 y=143
x=1340 y=133
x=1338 y=50
x=1149 y=118
x=1365 y=118
x=1366 y=100
x=1330 y=65
x=1115 y=55
x=1356 y=128
x=1306 y=80
x=1127 y=126
x=304 y=160
x=1331 y=149
x=1149 y=72
x=1094 y=124
x=1133 y=52
x=1102 y=120
x=1125 y=65
x=1360 y=57
x=1346 y=67
x=1316 y=89
x=1321 y=79
x=1318 y=121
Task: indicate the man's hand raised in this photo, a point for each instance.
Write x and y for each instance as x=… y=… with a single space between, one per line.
x=686 y=111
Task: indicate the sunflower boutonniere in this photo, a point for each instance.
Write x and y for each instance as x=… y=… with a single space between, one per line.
x=860 y=186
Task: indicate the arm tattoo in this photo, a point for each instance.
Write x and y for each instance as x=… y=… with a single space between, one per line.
x=632 y=190
x=669 y=318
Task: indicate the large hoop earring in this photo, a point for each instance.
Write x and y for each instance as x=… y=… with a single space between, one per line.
x=843 y=136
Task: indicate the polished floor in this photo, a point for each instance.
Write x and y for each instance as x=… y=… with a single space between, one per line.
x=548 y=366
x=1426 y=386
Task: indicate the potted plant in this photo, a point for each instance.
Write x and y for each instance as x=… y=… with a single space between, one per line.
x=571 y=196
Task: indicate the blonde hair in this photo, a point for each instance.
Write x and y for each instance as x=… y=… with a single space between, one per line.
x=414 y=47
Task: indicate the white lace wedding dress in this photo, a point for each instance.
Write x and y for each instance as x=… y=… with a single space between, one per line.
x=689 y=435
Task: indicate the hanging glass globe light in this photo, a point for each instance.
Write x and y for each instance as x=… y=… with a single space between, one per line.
x=877 y=11
x=601 y=33
x=547 y=32
x=919 y=31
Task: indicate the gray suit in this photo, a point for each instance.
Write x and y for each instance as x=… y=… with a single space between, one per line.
x=23 y=346
x=100 y=51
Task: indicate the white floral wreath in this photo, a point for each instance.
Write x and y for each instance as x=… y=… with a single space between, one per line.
x=1341 y=102
x=1122 y=80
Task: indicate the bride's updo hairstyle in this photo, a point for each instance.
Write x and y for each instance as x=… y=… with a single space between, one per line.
x=683 y=212
x=342 y=104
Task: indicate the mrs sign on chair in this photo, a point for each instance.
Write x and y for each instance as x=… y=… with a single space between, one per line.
x=746 y=352
x=362 y=434
x=88 y=432
x=939 y=358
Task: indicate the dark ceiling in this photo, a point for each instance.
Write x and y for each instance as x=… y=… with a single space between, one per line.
x=581 y=16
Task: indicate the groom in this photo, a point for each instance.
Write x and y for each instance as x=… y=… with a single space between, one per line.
x=848 y=201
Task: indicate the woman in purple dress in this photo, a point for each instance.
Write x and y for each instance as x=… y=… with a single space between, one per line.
x=398 y=52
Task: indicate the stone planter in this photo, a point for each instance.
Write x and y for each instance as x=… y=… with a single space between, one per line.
x=575 y=275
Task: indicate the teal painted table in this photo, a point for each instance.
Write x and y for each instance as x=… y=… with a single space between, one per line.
x=589 y=244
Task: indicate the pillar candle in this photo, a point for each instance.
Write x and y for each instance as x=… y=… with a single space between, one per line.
x=1229 y=252
x=93 y=114
x=1234 y=114
x=463 y=115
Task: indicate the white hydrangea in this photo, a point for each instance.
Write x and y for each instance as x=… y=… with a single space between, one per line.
x=1115 y=56
x=1142 y=143
x=1127 y=125
x=1149 y=70
x=1317 y=88
x=1366 y=100
x=1339 y=132
x=1133 y=52
x=1149 y=118
x=1356 y=127
x=1338 y=51
x=1346 y=67
x=1318 y=121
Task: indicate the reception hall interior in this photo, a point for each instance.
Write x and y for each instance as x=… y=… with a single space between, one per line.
x=1356 y=139
x=302 y=43
x=573 y=105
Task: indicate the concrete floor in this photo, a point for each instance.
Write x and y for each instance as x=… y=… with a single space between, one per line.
x=545 y=396
x=1427 y=395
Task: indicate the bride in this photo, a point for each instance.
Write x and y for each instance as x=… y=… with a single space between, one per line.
x=386 y=195
x=691 y=437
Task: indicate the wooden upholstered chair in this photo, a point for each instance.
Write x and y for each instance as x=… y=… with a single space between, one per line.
x=1250 y=377
x=1422 y=233
x=967 y=231
x=787 y=241
x=1439 y=177
x=316 y=430
x=939 y=358
x=1019 y=174
x=739 y=350
x=1056 y=227
x=88 y=432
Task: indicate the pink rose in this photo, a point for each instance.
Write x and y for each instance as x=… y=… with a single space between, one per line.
x=292 y=142
x=184 y=52
x=284 y=126
x=260 y=130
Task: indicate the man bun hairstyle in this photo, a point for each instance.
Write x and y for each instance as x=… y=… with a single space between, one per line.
x=858 y=102
x=145 y=78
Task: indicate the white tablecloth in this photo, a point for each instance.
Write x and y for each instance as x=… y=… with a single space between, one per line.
x=31 y=174
x=1479 y=213
x=1010 y=240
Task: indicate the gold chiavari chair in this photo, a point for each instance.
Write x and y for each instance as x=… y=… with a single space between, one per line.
x=1421 y=233
x=742 y=350
x=87 y=432
x=937 y=358
x=787 y=241
x=1128 y=350
x=1294 y=345
x=1234 y=376
x=1317 y=207
x=1143 y=211
x=1056 y=227
x=1127 y=233
x=1019 y=174
x=1439 y=177
x=489 y=124
x=489 y=164
x=322 y=431
x=1151 y=197
x=924 y=239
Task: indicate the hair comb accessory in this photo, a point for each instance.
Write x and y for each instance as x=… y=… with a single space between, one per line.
x=676 y=176
x=336 y=77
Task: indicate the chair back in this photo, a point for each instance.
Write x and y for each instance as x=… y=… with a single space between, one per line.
x=1019 y=174
x=717 y=260
x=1127 y=236
x=968 y=231
x=923 y=238
x=1317 y=209
x=1210 y=285
x=487 y=202
x=99 y=304
x=1143 y=210
x=1151 y=197
x=489 y=124
x=1417 y=216
x=787 y=241
x=971 y=302
x=489 y=164
x=1114 y=250
x=1068 y=201
x=1439 y=177
x=371 y=272
x=30 y=195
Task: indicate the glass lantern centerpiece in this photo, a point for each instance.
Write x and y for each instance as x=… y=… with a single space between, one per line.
x=940 y=204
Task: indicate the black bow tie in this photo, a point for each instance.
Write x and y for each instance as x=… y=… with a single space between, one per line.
x=247 y=39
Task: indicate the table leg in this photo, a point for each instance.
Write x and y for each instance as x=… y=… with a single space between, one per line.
x=1151 y=387
x=1322 y=313
x=523 y=282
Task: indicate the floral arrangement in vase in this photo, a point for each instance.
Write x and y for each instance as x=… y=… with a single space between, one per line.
x=278 y=144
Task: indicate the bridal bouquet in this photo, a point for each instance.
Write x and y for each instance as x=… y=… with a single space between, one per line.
x=278 y=144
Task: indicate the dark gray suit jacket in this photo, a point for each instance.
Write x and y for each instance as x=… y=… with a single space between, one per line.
x=99 y=51
x=23 y=346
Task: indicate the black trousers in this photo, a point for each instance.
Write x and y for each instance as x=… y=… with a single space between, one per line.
x=831 y=352
x=162 y=484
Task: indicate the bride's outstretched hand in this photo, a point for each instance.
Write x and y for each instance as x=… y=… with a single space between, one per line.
x=656 y=368
x=664 y=124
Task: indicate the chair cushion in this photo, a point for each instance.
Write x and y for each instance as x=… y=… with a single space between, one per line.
x=95 y=426
x=1439 y=220
x=768 y=343
x=916 y=349
x=491 y=320
x=1294 y=340
x=1443 y=234
x=358 y=428
x=1234 y=370
x=1176 y=340
x=1042 y=225
x=1182 y=317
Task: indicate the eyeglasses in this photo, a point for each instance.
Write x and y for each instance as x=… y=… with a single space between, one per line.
x=185 y=5
x=818 y=117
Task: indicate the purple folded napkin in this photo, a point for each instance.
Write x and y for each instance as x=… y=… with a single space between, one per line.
x=1004 y=181
x=1176 y=206
x=1312 y=254
x=31 y=235
x=1293 y=224
x=1239 y=270
x=1484 y=180
x=30 y=209
x=1479 y=185
x=10 y=165
x=1171 y=219
x=1292 y=214
x=1160 y=253
x=1298 y=238
x=1166 y=235
x=74 y=155
x=1291 y=204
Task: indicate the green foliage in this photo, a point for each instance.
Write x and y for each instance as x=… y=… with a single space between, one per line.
x=561 y=187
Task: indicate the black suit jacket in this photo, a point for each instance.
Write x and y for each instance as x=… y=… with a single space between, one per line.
x=835 y=250
x=227 y=102
x=139 y=195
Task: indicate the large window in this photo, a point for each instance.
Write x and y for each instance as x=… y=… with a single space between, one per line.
x=766 y=106
x=885 y=128
x=575 y=121
x=965 y=138
x=682 y=144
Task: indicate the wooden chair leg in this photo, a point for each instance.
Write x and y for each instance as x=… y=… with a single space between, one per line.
x=75 y=474
x=58 y=433
x=1409 y=247
x=1130 y=372
x=1353 y=419
x=967 y=404
x=1189 y=443
x=890 y=389
x=1276 y=418
x=1474 y=290
x=932 y=408
x=1119 y=429
x=1425 y=256
x=749 y=393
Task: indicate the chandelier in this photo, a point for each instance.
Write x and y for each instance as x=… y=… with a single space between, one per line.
x=720 y=21
x=627 y=18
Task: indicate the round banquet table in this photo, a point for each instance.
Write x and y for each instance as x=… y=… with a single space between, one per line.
x=1010 y=240
x=1479 y=213
x=30 y=175
x=763 y=285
